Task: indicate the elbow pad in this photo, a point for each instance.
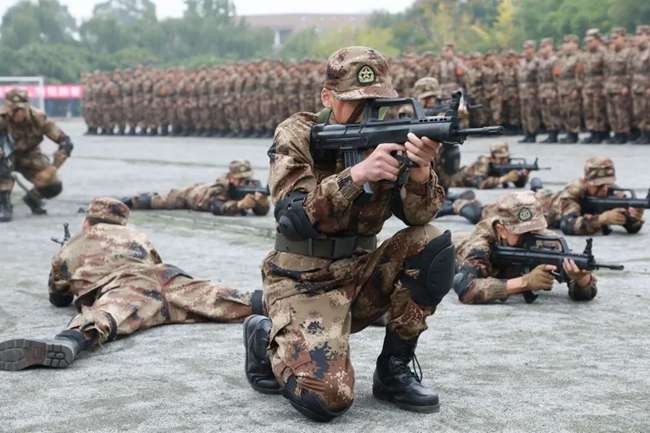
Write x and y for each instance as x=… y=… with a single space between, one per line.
x=292 y=219
x=66 y=145
x=463 y=280
x=60 y=300
x=567 y=224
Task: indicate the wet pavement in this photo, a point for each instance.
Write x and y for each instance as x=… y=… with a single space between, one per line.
x=553 y=366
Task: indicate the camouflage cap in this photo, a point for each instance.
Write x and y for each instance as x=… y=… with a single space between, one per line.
x=108 y=210
x=499 y=150
x=593 y=33
x=643 y=29
x=520 y=212
x=617 y=31
x=17 y=98
x=546 y=41
x=355 y=73
x=600 y=170
x=571 y=38
x=529 y=44
x=426 y=87
x=240 y=169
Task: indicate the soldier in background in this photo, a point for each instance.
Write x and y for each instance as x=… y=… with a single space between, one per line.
x=617 y=87
x=493 y=77
x=119 y=284
x=527 y=79
x=568 y=70
x=547 y=69
x=510 y=94
x=477 y=174
x=450 y=71
x=26 y=126
x=479 y=280
x=593 y=96
x=640 y=71
x=217 y=197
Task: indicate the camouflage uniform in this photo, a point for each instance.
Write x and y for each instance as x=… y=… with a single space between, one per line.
x=568 y=68
x=640 y=70
x=316 y=301
x=120 y=285
x=547 y=71
x=205 y=197
x=598 y=171
x=477 y=174
x=617 y=89
x=492 y=77
x=480 y=280
x=527 y=79
x=593 y=96
x=28 y=159
x=511 y=105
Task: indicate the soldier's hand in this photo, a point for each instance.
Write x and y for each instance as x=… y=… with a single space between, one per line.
x=581 y=277
x=612 y=217
x=59 y=158
x=261 y=199
x=635 y=214
x=539 y=278
x=511 y=176
x=422 y=151
x=379 y=165
x=248 y=202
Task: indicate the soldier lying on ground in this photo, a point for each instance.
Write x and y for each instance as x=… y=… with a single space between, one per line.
x=477 y=175
x=26 y=126
x=479 y=280
x=326 y=277
x=221 y=197
x=119 y=285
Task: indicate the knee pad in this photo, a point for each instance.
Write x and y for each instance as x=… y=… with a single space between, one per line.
x=435 y=263
x=310 y=404
x=51 y=190
x=60 y=300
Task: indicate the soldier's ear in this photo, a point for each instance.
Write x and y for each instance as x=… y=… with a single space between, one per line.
x=326 y=97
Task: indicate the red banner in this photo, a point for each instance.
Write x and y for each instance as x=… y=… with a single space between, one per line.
x=53 y=91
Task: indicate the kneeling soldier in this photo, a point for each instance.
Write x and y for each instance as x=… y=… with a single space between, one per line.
x=226 y=196
x=120 y=285
x=326 y=277
x=479 y=280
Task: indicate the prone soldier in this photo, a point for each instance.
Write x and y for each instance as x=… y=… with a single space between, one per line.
x=481 y=279
x=220 y=197
x=326 y=277
x=478 y=175
x=119 y=285
x=26 y=126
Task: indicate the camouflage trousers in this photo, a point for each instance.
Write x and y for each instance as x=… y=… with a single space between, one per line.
x=152 y=295
x=594 y=109
x=530 y=120
x=197 y=197
x=511 y=108
x=314 y=311
x=641 y=105
x=549 y=107
x=495 y=106
x=36 y=168
x=619 y=112
x=570 y=110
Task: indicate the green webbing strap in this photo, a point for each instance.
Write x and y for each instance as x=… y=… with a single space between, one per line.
x=328 y=248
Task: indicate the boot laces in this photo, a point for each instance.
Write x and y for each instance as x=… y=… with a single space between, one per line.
x=414 y=369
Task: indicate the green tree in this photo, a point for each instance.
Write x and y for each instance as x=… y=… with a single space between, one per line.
x=45 y=21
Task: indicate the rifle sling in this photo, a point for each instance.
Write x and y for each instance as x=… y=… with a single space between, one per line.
x=333 y=248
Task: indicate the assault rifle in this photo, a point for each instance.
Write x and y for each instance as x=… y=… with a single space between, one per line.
x=350 y=141
x=7 y=148
x=517 y=164
x=250 y=187
x=617 y=198
x=546 y=250
x=66 y=235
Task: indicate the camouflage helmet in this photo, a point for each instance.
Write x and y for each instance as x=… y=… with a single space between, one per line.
x=571 y=38
x=500 y=150
x=427 y=87
x=240 y=169
x=643 y=29
x=600 y=170
x=356 y=73
x=520 y=212
x=546 y=41
x=529 y=44
x=17 y=98
x=108 y=210
x=593 y=33
x=617 y=31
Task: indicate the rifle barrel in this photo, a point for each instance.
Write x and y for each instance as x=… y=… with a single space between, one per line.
x=488 y=130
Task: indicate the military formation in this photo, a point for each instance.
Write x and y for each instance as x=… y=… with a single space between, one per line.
x=553 y=87
x=327 y=275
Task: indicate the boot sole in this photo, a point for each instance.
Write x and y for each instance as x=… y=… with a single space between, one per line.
x=253 y=385
x=405 y=406
x=21 y=353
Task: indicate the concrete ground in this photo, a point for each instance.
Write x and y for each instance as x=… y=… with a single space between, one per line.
x=553 y=366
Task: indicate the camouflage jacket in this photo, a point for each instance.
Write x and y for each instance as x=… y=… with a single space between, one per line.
x=489 y=284
x=640 y=70
x=93 y=258
x=573 y=221
x=617 y=70
x=29 y=134
x=593 y=71
x=330 y=202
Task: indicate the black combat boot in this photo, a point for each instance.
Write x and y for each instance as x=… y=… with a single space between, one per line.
x=164 y=130
x=590 y=138
x=552 y=137
x=623 y=138
x=643 y=138
x=394 y=380
x=571 y=137
x=132 y=131
x=57 y=352
x=35 y=202
x=143 y=131
x=528 y=138
x=110 y=131
x=6 y=209
x=121 y=130
x=257 y=365
x=446 y=209
x=471 y=212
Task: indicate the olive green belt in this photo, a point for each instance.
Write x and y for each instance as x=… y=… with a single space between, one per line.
x=327 y=248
